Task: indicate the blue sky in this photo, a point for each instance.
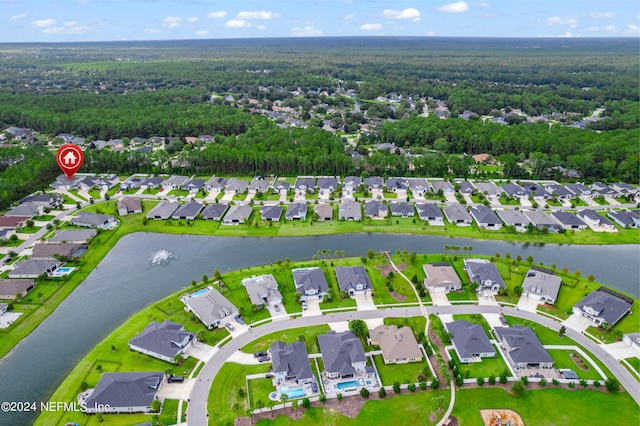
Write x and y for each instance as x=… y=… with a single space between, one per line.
x=105 y=20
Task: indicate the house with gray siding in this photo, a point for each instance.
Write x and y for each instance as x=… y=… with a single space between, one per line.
x=162 y=340
x=263 y=290
x=174 y=182
x=342 y=354
x=375 y=209
x=130 y=392
x=470 y=341
x=305 y=185
x=485 y=274
x=569 y=221
x=523 y=348
x=290 y=362
x=311 y=282
x=596 y=221
x=128 y=205
x=626 y=219
x=210 y=307
x=297 y=211
x=216 y=183
x=353 y=279
x=259 y=184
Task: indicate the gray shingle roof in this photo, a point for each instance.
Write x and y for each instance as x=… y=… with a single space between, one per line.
x=402 y=209
x=291 y=358
x=73 y=235
x=166 y=338
x=488 y=187
x=559 y=190
x=428 y=210
x=296 y=211
x=194 y=184
x=350 y=210
x=237 y=213
x=594 y=217
x=514 y=190
x=214 y=211
x=524 y=344
x=91 y=219
x=605 y=305
x=541 y=219
x=236 y=185
x=328 y=183
x=310 y=279
x=484 y=214
x=262 y=290
x=306 y=183
x=374 y=181
x=126 y=390
x=352 y=278
x=9 y=288
x=375 y=208
x=41 y=250
x=513 y=217
x=568 y=219
x=270 y=212
x=34 y=267
x=340 y=351
x=443 y=185
x=456 y=213
x=163 y=209
x=469 y=339
x=210 y=306
x=481 y=271
x=189 y=210
x=393 y=184
x=543 y=283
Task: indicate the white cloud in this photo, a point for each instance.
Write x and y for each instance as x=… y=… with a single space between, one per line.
x=409 y=13
x=43 y=23
x=172 y=22
x=370 y=27
x=68 y=29
x=202 y=32
x=236 y=23
x=633 y=28
x=18 y=17
x=307 y=31
x=611 y=28
x=482 y=5
x=602 y=15
x=568 y=34
x=571 y=21
x=594 y=28
x=349 y=17
x=192 y=19
x=457 y=7
x=258 y=14
x=151 y=30
x=217 y=15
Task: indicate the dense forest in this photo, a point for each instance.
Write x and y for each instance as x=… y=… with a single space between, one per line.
x=23 y=171
x=126 y=90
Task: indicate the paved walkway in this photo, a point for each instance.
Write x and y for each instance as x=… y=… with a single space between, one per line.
x=493 y=320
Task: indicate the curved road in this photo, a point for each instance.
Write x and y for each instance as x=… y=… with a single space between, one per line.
x=197 y=408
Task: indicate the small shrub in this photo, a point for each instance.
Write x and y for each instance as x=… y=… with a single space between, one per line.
x=382 y=392
x=411 y=387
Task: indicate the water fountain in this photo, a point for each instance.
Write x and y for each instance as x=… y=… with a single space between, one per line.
x=161 y=257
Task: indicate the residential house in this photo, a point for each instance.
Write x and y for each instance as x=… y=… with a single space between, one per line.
x=375 y=210
x=559 y=191
x=187 y=211
x=442 y=185
x=541 y=284
x=263 y=290
x=418 y=186
x=152 y=183
x=489 y=189
x=12 y=289
x=402 y=208
x=514 y=218
x=297 y=211
x=271 y=213
x=542 y=220
x=194 y=186
x=33 y=268
x=514 y=191
x=373 y=182
x=604 y=306
x=352 y=183
x=485 y=274
x=93 y=220
x=124 y=393
x=174 y=182
x=163 y=210
x=6 y=233
x=237 y=215
x=456 y=214
x=324 y=212
x=342 y=354
x=214 y=212
x=304 y=185
x=398 y=346
x=441 y=276
x=569 y=220
x=624 y=188
x=63 y=182
x=523 y=348
x=311 y=282
x=127 y=205
x=633 y=340
x=396 y=184
x=79 y=236
x=431 y=213
x=579 y=190
x=52 y=201
x=216 y=184
x=259 y=184
x=599 y=188
x=11 y=222
x=470 y=341
x=162 y=340
x=210 y=307
x=353 y=279
x=485 y=217
x=535 y=191
x=102 y=183
x=26 y=209
x=349 y=210
x=327 y=185
x=281 y=187
x=465 y=187
x=483 y=158
x=236 y=186
x=49 y=250
x=290 y=362
x=596 y=221
x=626 y=219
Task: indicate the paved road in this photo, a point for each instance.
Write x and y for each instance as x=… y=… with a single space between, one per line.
x=197 y=408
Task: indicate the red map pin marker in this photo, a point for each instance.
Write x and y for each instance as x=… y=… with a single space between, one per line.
x=70 y=158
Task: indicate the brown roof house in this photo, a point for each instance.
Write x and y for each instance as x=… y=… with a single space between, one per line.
x=441 y=277
x=398 y=346
x=9 y=289
x=128 y=205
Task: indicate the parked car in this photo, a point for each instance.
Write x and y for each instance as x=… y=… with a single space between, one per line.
x=260 y=353
x=175 y=379
x=486 y=295
x=304 y=305
x=503 y=320
x=264 y=358
x=229 y=326
x=239 y=320
x=276 y=308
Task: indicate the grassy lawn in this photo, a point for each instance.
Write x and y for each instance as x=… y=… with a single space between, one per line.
x=169 y=413
x=227 y=384
x=407 y=409
x=288 y=336
x=578 y=202
x=554 y=203
x=508 y=202
x=564 y=361
x=417 y=324
x=95 y=194
x=476 y=319
x=387 y=194
x=112 y=191
x=30 y=229
x=178 y=192
x=486 y=368
x=259 y=390
x=403 y=373
x=464 y=294
x=635 y=363
x=44 y=217
x=240 y=197
x=548 y=406
x=152 y=191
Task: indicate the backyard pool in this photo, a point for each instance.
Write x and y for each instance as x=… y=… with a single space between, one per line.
x=62 y=271
x=292 y=393
x=350 y=384
x=199 y=292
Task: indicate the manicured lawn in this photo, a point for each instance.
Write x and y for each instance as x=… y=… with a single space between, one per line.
x=259 y=390
x=564 y=361
x=635 y=363
x=178 y=192
x=486 y=368
x=95 y=194
x=30 y=229
x=405 y=409
x=288 y=336
x=112 y=191
x=240 y=197
x=548 y=406
x=476 y=319
x=225 y=391
x=75 y=193
x=169 y=413
x=417 y=324
x=403 y=373
x=44 y=217
x=152 y=191
x=545 y=335
x=464 y=294
x=389 y=194
x=509 y=202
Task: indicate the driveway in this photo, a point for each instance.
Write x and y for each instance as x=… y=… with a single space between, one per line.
x=240 y=357
x=439 y=298
x=493 y=320
x=176 y=390
x=201 y=351
x=339 y=326
x=577 y=322
x=313 y=308
x=278 y=315
x=619 y=350
x=528 y=303
x=487 y=301
x=364 y=301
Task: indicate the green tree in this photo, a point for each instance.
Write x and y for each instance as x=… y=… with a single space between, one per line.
x=396 y=386
x=517 y=388
x=306 y=403
x=612 y=385
x=359 y=328
x=364 y=392
x=382 y=392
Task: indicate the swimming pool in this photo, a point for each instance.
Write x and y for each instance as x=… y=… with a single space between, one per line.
x=62 y=271
x=199 y=292
x=349 y=384
x=293 y=393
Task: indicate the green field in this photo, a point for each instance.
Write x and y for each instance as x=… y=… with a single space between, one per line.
x=489 y=366
x=562 y=360
x=402 y=373
x=288 y=336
